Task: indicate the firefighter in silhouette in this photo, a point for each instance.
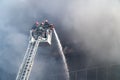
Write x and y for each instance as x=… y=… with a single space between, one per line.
x=51 y=26
x=35 y=26
x=46 y=28
x=46 y=24
x=35 y=30
x=41 y=29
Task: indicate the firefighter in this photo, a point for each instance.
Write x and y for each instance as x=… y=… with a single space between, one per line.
x=51 y=26
x=35 y=29
x=41 y=26
x=41 y=29
x=46 y=24
x=35 y=25
x=46 y=27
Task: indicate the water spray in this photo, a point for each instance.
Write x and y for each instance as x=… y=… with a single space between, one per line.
x=62 y=54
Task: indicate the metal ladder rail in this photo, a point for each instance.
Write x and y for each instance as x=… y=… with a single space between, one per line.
x=26 y=64
x=22 y=65
x=32 y=59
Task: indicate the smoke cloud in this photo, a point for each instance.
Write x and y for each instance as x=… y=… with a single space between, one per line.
x=91 y=24
x=16 y=20
x=96 y=25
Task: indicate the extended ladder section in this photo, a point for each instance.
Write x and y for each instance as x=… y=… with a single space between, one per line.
x=26 y=66
x=28 y=60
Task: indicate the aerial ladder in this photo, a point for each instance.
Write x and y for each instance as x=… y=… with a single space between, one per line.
x=26 y=66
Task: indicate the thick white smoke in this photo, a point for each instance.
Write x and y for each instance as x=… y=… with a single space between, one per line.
x=92 y=23
x=16 y=19
x=96 y=24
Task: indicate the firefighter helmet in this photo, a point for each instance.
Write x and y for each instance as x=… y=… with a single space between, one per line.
x=37 y=23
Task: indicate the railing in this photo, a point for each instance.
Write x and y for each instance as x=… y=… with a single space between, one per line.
x=108 y=72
